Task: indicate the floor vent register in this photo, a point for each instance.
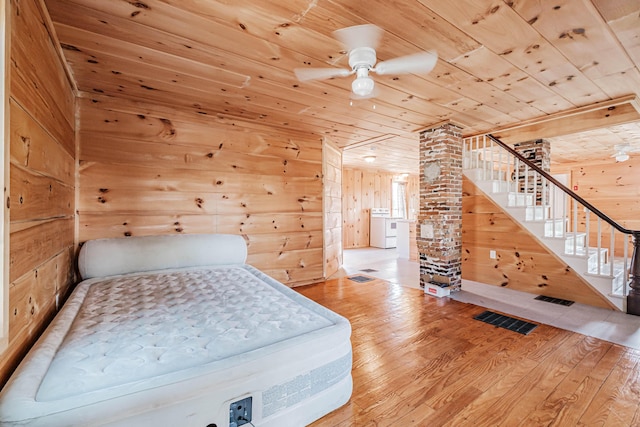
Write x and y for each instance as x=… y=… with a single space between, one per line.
x=360 y=279
x=506 y=322
x=553 y=300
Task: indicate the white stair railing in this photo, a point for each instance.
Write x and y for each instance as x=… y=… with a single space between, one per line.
x=586 y=231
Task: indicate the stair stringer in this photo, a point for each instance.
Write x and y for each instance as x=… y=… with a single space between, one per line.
x=555 y=247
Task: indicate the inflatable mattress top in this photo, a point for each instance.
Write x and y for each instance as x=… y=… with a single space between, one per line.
x=124 y=333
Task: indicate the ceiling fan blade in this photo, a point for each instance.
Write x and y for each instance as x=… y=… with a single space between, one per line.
x=367 y=35
x=418 y=63
x=305 y=74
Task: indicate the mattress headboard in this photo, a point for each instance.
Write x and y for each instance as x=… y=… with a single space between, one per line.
x=109 y=257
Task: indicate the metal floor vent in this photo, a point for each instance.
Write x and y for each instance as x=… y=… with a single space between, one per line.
x=553 y=300
x=369 y=270
x=360 y=279
x=506 y=322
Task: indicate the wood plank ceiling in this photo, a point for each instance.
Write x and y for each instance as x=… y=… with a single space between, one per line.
x=501 y=63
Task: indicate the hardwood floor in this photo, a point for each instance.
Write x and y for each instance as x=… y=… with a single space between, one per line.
x=422 y=361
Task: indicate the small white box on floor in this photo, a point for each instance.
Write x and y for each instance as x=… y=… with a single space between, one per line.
x=436 y=290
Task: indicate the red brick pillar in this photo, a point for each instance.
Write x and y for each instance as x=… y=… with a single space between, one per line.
x=439 y=227
x=538 y=152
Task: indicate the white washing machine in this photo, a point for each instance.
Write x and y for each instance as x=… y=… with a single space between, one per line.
x=383 y=230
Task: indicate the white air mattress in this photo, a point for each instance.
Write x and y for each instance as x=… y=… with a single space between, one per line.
x=176 y=347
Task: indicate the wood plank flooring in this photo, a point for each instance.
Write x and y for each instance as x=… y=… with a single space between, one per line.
x=422 y=361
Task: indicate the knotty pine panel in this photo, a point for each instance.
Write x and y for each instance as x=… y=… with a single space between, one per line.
x=197 y=86
x=363 y=190
x=124 y=177
x=203 y=51
x=140 y=123
x=38 y=81
x=32 y=297
x=42 y=180
x=34 y=148
x=30 y=247
x=38 y=197
x=148 y=172
x=257 y=223
x=292 y=241
x=291 y=266
x=182 y=202
x=332 y=199
x=522 y=263
x=95 y=225
x=613 y=188
x=206 y=115
x=213 y=158
x=32 y=305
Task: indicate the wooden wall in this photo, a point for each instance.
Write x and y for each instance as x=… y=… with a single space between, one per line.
x=147 y=169
x=611 y=187
x=42 y=181
x=332 y=199
x=363 y=190
x=522 y=262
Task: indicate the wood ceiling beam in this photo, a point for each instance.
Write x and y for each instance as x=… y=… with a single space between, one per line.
x=603 y=114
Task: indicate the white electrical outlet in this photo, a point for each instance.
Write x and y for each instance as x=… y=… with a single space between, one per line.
x=492 y=254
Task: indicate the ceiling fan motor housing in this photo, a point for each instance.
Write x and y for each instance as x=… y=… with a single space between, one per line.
x=362 y=57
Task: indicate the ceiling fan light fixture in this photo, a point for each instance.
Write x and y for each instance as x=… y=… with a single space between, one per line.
x=362 y=86
x=622 y=157
x=369 y=159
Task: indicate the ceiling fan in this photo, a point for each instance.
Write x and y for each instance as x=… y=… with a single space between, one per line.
x=622 y=151
x=361 y=40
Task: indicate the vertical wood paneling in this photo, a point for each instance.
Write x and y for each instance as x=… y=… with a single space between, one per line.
x=332 y=211
x=41 y=187
x=522 y=262
x=363 y=190
x=147 y=169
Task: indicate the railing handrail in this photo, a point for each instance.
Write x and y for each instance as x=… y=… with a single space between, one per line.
x=596 y=211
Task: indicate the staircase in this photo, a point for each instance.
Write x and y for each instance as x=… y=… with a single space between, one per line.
x=594 y=246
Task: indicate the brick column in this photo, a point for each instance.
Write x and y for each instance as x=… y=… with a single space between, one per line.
x=439 y=227
x=538 y=152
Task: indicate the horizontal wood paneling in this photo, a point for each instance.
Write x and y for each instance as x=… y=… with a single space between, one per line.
x=522 y=262
x=39 y=197
x=33 y=295
x=32 y=304
x=34 y=245
x=120 y=201
x=38 y=80
x=147 y=170
x=42 y=181
x=34 y=148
